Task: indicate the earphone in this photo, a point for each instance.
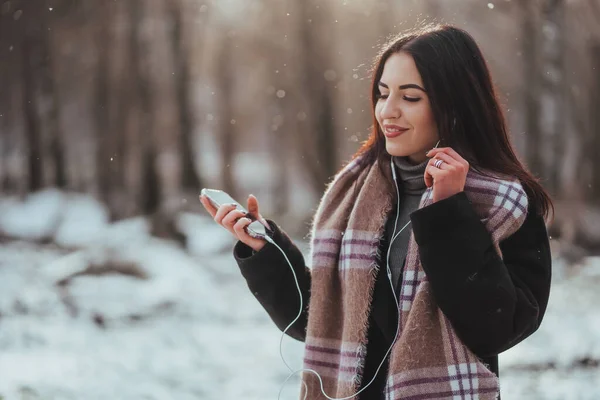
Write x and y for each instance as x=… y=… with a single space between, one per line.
x=389 y=274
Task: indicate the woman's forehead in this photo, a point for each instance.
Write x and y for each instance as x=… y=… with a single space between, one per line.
x=400 y=69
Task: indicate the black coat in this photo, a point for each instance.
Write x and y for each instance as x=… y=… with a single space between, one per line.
x=492 y=303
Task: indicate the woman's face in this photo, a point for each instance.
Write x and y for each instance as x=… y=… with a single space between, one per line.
x=403 y=110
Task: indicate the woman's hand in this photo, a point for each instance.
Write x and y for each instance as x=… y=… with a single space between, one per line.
x=236 y=221
x=450 y=177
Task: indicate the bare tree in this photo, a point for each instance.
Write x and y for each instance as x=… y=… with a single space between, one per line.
x=39 y=99
x=552 y=89
x=105 y=134
x=226 y=127
x=318 y=144
x=594 y=140
x=180 y=44
x=531 y=95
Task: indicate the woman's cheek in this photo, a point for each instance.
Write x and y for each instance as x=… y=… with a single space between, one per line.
x=378 y=113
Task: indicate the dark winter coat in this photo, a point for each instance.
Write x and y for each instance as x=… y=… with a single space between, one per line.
x=492 y=303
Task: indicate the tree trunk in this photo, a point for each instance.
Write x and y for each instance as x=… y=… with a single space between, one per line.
x=51 y=114
x=594 y=141
x=190 y=179
x=101 y=110
x=226 y=130
x=319 y=147
x=149 y=182
x=32 y=128
x=135 y=123
x=165 y=119
x=531 y=92
x=553 y=89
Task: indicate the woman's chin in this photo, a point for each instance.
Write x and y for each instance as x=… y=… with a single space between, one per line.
x=395 y=150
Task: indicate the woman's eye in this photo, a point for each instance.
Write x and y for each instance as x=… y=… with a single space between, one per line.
x=382 y=96
x=412 y=99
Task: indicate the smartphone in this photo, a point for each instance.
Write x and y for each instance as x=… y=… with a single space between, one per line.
x=219 y=197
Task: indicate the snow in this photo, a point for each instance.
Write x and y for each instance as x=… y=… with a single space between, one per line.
x=123 y=315
x=203 y=235
x=84 y=222
x=35 y=218
x=571 y=327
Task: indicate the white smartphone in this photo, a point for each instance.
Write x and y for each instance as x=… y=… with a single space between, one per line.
x=219 y=197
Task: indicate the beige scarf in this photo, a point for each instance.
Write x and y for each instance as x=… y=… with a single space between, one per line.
x=428 y=360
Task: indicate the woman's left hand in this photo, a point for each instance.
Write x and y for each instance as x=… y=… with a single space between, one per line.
x=449 y=178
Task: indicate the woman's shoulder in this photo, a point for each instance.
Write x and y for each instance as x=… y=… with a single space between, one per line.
x=353 y=166
x=349 y=172
x=500 y=200
x=501 y=190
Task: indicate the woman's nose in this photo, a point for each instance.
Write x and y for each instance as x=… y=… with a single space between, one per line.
x=391 y=110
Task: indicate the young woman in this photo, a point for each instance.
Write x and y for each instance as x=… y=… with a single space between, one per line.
x=426 y=263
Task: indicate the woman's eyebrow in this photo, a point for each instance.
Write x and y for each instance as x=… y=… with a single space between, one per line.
x=407 y=86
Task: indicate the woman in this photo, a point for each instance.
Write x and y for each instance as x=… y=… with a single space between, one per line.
x=440 y=253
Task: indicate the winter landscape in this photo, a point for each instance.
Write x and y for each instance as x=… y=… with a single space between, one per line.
x=107 y=311
x=116 y=284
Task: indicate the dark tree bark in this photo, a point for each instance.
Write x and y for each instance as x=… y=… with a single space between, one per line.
x=180 y=44
x=30 y=51
x=553 y=89
x=227 y=129
x=594 y=140
x=318 y=144
x=150 y=187
x=531 y=95
x=105 y=149
x=49 y=95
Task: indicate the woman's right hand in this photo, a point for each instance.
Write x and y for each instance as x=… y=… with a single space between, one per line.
x=235 y=221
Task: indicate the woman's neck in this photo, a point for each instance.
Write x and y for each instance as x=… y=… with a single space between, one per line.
x=411 y=175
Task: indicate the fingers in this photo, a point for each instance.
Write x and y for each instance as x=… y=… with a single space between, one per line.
x=450 y=152
x=231 y=218
x=432 y=173
x=225 y=215
x=239 y=229
x=253 y=206
x=235 y=221
x=449 y=163
x=254 y=212
x=222 y=212
x=208 y=206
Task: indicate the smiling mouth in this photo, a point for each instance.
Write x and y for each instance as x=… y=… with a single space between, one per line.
x=393 y=132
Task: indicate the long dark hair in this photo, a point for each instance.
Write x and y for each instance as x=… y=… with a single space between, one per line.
x=464 y=104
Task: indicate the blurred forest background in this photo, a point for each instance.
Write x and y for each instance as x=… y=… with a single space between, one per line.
x=114 y=115
x=141 y=103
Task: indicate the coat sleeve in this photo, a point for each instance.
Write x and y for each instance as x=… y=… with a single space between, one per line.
x=492 y=303
x=270 y=278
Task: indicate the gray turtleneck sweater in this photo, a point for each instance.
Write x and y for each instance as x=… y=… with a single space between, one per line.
x=411 y=184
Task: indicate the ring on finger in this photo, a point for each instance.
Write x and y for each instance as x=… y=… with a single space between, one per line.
x=438 y=163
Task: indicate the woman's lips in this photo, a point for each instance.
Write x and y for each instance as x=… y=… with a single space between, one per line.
x=393 y=132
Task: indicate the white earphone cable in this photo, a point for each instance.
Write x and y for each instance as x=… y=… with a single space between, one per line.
x=389 y=274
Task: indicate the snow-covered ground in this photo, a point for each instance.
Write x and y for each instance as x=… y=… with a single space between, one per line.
x=165 y=323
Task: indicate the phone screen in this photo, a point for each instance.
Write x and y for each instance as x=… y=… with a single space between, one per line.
x=219 y=197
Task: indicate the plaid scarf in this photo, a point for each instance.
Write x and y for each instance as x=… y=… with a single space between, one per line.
x=428 y=360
